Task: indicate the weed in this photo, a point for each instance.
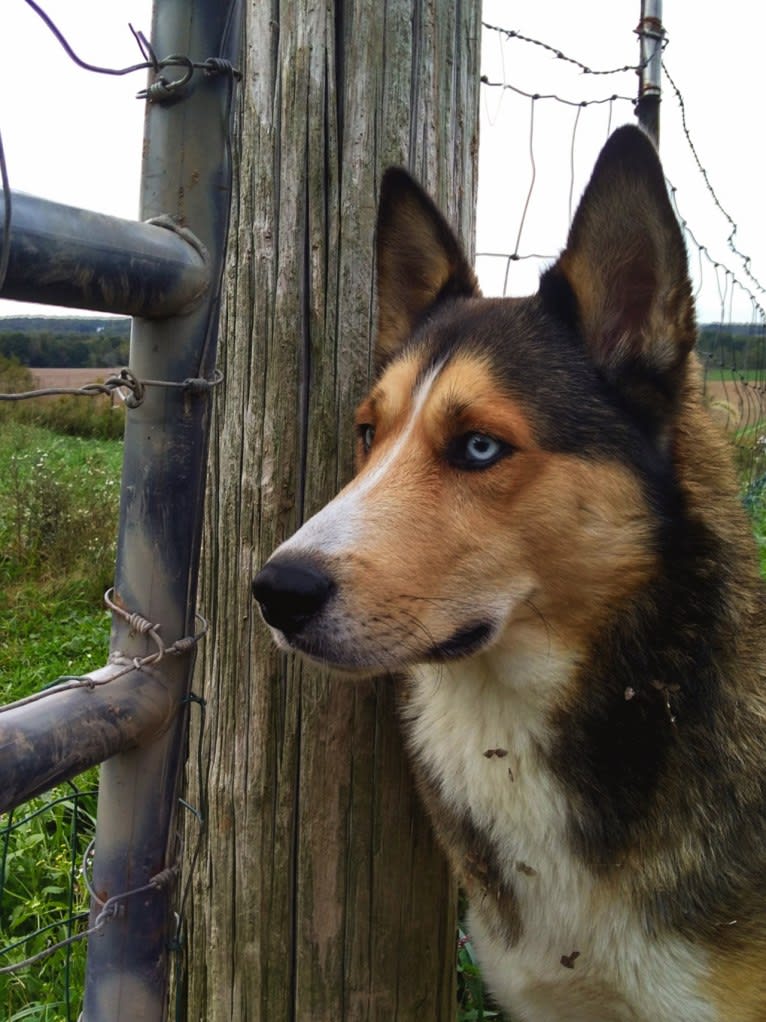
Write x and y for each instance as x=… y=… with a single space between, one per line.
x=43 y=901
x=58 y=521
x=58 y=507
x=472 y=1005
x=95 y=417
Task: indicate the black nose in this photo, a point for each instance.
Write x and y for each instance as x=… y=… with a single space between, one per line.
x=291 y=592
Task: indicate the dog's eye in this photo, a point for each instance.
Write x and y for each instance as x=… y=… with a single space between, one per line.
x=366 y=433
x=476 y=451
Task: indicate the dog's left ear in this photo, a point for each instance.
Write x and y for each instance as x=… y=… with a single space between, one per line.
x=420 y=261
x=625 y=264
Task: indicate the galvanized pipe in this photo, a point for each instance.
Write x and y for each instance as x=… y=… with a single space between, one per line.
x=187 y=174
x=61 y=255
x=46 y=742
x=651 y=34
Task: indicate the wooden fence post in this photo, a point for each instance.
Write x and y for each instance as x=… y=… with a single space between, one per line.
x=319 y=893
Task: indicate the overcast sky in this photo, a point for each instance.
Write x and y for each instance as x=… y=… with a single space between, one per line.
x=76 y=137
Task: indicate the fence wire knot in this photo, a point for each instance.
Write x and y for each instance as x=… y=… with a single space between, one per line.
x=220 y=66
x=165 y=878
x=127 y=380
x=142 y=626
x=162 y=90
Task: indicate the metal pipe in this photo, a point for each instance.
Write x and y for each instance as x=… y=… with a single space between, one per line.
x=62 y=255
x=651 y=35
x=186 y=173
x=45 y=742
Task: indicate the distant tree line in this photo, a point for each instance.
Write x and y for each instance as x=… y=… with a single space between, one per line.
x=66 y=343
x=738 y=346
x=74 y=343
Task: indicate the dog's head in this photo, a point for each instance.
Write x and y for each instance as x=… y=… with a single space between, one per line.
x=510 y=451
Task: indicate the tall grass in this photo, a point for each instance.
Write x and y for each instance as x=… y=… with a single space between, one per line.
x=90 y=417
x=96 y=417
x=59 y=499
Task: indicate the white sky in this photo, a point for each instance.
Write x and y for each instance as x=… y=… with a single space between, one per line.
x=76 y=137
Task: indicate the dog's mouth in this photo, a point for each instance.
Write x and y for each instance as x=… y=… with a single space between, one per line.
x=463 y=643
x=340 y=648
x=308 y=612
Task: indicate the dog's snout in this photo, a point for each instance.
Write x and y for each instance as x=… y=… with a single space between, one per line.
x=291 y=592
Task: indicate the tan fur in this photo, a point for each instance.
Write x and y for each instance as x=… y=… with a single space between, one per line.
x=545 y=540
x=561 y=526
x=737 y=984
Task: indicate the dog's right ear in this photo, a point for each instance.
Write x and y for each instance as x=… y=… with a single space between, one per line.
x=420 y=261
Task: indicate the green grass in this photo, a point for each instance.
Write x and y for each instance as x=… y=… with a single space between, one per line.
x=39 y=854
x=94 y=417
x=719 y=374
x=757 y=508
x=472 y=1000
x=59 y=499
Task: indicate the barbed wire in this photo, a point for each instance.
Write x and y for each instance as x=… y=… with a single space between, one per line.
x=512 y=33
x=552 y=95
x=580 y=104
x=703 y=253
x=735 y=381
x=706 y=178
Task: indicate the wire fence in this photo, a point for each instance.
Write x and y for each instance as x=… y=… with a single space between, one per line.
x=43 y=902
x=553 y=111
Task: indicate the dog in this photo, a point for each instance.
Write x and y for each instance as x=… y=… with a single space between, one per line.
x=544 y=538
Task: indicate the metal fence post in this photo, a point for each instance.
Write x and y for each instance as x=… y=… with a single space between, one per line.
x=651 y=34
x=186 y=174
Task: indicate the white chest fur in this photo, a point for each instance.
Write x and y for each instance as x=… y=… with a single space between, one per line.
x=583 y=955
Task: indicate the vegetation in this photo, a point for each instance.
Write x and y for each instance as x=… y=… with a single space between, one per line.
x=96 y=416
x=65 y=343
x=58 y=516
x=472 y=1000
x=734 y=346
x=79 y=342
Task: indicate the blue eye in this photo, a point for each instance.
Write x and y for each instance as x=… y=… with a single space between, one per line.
x=366 y=435
x=474 y=451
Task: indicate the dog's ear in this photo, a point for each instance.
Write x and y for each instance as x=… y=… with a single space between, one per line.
x=625 y=266
x=420 y=261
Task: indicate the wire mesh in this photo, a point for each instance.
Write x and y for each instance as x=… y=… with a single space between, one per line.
x=547 y=113
x=43 y=901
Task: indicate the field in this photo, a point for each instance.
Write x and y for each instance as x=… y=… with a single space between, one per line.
x=44 y=378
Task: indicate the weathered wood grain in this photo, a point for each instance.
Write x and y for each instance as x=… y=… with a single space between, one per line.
x=319 y=893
